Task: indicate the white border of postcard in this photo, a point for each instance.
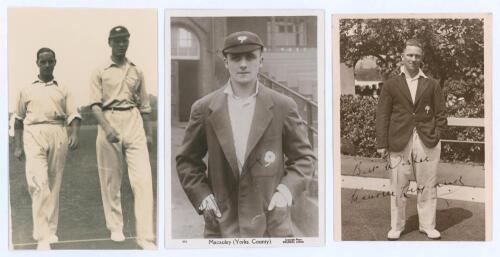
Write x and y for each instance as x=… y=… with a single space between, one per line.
x=251 y=242
x=487 y=109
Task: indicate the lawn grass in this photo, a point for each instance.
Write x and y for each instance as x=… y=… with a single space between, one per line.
x=81 y=216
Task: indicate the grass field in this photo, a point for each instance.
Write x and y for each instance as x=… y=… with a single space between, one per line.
x=81 y=217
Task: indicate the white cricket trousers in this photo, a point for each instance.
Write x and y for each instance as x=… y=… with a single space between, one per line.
x=421 y=161
x=46 y=147
x=132 y=149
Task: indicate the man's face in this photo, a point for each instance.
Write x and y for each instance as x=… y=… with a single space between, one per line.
x=244 y=67
x=46 y=63
x=412 y=57
x=119 y=46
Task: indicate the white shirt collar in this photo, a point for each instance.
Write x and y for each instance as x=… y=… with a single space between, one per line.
x=48 y=83
x=229 y=91
x=420 y=73
x=112 y=63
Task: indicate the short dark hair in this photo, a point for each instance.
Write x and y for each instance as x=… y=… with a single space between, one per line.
x=44 y=50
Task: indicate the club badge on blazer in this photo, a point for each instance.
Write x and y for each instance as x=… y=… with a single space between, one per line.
x=427 y=109
x=269 y=158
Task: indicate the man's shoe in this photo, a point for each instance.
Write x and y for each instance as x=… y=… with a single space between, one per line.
x=146 y=244
x=431 y=233
x=43 y=245
x=117 y=236
x=394 y=234
x=53 y=239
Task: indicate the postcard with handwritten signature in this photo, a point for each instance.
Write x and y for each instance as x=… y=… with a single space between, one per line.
x=412 y=96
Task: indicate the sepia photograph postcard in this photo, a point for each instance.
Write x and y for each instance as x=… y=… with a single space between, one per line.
x=82 y=103
x=245 y=128
x=412 y=130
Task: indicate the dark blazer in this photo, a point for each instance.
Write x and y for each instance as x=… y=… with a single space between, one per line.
x=397 y=116
x=244 y=198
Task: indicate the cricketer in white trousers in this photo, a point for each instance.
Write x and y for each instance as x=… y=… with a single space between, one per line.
x=111 y=157
x=421 y=161
x=46 y=147
x=43 y=107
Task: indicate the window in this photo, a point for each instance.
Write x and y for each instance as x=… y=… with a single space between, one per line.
x=185 y=45
x=287 y=32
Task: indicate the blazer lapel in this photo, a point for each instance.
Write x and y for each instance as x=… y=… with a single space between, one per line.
x=422 y=86
x=261 y=118
x=404 y=88
x=219 y=119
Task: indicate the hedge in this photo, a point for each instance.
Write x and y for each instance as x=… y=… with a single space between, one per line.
x=358 y=138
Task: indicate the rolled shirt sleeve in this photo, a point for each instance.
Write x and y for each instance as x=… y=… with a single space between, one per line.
x=71 y=108
x=95 y=89
x=144 y=106
x=20 y=112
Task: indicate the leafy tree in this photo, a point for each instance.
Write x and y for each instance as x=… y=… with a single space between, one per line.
x=453 y=51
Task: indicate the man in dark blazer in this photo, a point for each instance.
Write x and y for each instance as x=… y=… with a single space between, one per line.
x=410 y=119
x=259 y=155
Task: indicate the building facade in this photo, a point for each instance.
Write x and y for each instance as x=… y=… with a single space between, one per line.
x=197 y=65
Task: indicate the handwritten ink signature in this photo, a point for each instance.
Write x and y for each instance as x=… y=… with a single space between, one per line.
x=358 y=169
x=404 y=162
x=405 y=190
